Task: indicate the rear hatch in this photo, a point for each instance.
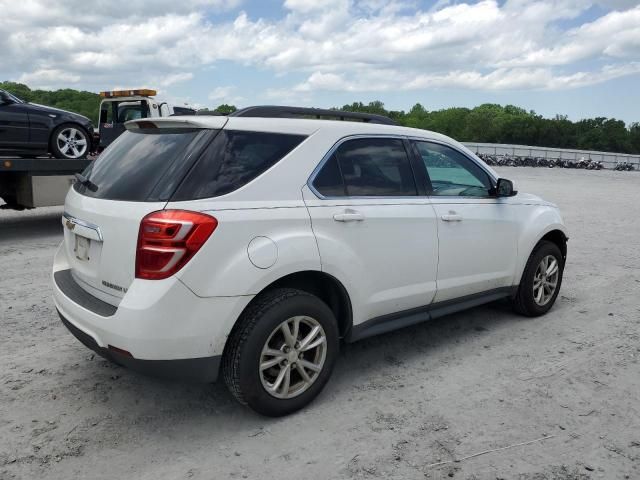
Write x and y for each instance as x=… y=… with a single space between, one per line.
x=135 y=176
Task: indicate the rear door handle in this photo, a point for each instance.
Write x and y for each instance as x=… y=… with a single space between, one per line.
x=452 y=217
x=349 y=216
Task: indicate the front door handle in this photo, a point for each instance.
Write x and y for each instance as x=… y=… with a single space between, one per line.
x=348 y=216
x=452 y=217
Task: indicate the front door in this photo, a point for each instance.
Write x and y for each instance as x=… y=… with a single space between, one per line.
x=374 y=232
x=14 y=126
x=477 y=231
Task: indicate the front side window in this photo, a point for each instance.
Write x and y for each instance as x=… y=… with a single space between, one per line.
x=6 y=97
x=452 y=173
x=367 y=167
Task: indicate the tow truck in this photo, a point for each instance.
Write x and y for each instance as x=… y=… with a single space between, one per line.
x=42 y=181
x=120 y=106
x=36 y=182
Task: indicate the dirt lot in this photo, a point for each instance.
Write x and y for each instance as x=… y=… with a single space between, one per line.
x=438 y=392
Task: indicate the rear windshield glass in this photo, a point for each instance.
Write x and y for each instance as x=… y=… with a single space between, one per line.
x=232 y=160
x=144 y=166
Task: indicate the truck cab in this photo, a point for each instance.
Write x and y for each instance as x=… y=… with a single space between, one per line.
x=120 y=106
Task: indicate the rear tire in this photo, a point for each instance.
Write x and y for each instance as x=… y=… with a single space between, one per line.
x=535 y=294
x=271 y=372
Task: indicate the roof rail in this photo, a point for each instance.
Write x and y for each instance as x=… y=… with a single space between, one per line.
x=274 y=111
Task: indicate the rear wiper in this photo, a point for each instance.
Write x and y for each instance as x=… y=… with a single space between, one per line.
x=86 y=182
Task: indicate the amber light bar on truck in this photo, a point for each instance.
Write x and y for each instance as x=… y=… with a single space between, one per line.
x=142 y=92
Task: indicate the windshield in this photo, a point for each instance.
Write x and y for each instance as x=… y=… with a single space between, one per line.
x=143 y=166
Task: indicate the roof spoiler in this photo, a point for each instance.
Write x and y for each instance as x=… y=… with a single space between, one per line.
x=190 y=121
x=274 y=111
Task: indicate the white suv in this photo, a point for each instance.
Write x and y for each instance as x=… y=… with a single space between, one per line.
x=251 y=245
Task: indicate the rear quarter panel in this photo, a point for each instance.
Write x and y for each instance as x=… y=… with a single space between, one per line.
x=223 y=266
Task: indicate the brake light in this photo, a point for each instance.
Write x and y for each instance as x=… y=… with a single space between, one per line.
x=168 y=239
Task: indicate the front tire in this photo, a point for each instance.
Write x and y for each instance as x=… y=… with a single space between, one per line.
x=69 y=141
x=281 y=353
x=541 y=280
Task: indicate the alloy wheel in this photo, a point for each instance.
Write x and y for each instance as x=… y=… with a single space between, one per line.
x=72 y=142
x=292 y=357
x=545 y=280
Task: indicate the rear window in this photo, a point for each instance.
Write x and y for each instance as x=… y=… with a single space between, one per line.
x=144 y=166
x=232 y=160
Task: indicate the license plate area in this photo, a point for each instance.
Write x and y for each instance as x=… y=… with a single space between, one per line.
x=82 y=248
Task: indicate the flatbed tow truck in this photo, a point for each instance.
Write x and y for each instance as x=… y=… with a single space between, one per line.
x=41 y=182
x=37 y=182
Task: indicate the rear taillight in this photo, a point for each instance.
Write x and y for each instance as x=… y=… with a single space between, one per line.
x=168 y=239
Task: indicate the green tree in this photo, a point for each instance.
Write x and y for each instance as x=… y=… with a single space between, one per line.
x=492 y=123
x=225 y=109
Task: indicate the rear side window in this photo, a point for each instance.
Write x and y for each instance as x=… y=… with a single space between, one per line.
x=367 y=167
x=145 y=166
x=232 y=160
x=328 y=181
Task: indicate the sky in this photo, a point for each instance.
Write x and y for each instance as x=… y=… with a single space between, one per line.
x=572 y=57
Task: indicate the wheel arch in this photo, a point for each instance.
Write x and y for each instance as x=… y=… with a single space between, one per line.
x=558 y=237
x=555 y=233
x=324 y=286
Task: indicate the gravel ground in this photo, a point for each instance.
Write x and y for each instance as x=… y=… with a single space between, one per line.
x=566 y=385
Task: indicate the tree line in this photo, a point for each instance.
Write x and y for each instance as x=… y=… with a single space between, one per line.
x=491 y=123
x=487 y=123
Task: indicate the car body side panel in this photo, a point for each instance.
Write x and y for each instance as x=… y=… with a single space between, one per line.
x=536 y=221
x=14 y=127
x=250 y=248
x=388 y=261
x=41 y=124
x=36 y=123
x=43 y=120
x=479 y=252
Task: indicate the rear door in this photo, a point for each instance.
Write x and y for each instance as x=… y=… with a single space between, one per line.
x=133 y=178
x=477 y=231
x=374 y=230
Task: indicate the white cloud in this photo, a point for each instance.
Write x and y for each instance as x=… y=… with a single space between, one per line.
x=322 y=81
x=339 y=45
x=220 y=93
x=226 y=94
x=99 y=14
x=175 y=78
x=49 y=77
x=616 y=35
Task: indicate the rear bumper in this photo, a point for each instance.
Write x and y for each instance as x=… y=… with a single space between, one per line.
x=168 y=330
x=203 y=369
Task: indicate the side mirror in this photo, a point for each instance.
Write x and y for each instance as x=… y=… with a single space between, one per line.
x=504 y=188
